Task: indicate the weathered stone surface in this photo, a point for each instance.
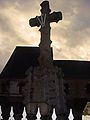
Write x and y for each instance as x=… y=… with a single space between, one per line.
x=44 y=84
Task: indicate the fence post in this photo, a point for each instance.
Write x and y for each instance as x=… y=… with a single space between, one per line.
x=24 y=114
x=54 y=115
x=11 y=114
x=1 y=113
x=71 y=117
x=38 y=114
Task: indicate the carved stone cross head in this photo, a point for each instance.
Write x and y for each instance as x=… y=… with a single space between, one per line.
x=45 y=17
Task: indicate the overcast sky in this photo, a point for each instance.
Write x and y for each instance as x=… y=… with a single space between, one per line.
x=71 y=36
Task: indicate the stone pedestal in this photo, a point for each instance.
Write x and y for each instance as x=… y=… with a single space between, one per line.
x=45 y=89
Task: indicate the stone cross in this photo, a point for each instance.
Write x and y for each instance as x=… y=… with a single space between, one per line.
x=44 y=21
x=45 y=87
x=45 y=17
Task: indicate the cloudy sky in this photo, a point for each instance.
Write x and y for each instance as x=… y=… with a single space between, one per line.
x=71 y=36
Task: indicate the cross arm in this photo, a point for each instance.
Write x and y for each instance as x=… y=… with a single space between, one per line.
x=34 y=22
x=55 y=17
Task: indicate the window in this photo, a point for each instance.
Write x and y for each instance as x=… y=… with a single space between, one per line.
x=88 y=88
x=13 y=87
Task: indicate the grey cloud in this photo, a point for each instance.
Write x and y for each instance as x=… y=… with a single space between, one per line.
x=5 y=24
x=76 y=33
x=24 y=6
x=73 y=38
x=7 y=29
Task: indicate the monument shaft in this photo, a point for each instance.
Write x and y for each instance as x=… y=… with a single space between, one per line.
x=45 y=87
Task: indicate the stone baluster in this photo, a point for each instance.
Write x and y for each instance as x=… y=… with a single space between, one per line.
x=38 y=115
x=1 y=113
x=71 y=117
x=24 y=114
x=54 y=115
x=11 y=114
